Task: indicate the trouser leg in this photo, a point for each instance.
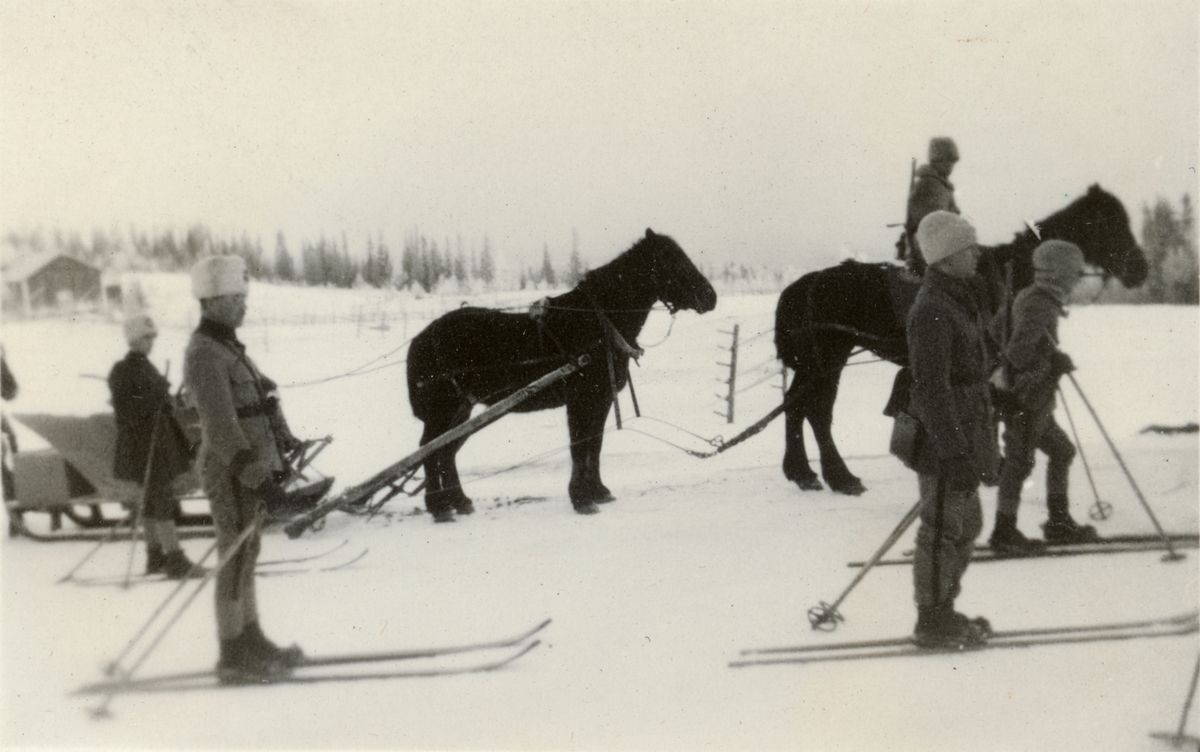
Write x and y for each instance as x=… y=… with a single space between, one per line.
x=233 y=511
x=167 y=535
x=1019 y=447
x=951 y=519
x=1060 y=452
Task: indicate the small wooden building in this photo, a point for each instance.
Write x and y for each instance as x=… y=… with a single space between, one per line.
x=50 y=281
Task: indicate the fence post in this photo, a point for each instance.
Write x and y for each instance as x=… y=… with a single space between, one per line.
x=732 y=380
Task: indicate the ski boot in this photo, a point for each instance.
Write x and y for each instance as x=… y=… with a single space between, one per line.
x=242 y=663
x=177 y=566
x=1062 y=529
x=290 y=656
x=942 y=627
x=1009 y=542
x=155 y=559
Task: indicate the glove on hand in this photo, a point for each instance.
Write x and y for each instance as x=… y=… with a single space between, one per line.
x=960 y=473
x=1060 y=363
x=254 y=475
x=272 y=495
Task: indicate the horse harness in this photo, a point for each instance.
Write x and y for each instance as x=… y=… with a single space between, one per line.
x=613 y=340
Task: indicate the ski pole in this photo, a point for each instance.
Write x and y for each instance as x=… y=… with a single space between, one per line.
x=102 y=711
x=112 y=535
x=1101 y=510
x=137 y=514
x=1191 y=695
x=825 y=616
x=1178 y=738
x=114 y=664
x=1172 y=554
x=208 y=576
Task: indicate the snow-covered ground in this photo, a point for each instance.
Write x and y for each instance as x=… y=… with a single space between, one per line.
x=650 y=599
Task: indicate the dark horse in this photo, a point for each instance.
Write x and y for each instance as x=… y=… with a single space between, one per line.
x=823 y=316
x=479 y=355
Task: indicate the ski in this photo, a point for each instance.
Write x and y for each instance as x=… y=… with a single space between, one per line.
x=302 y=559
x=910 y=648
x=265 y=569
x=1180 y=624
x=1127 y=544
x=208 y=677
x=1191 y=538
x=334 y=568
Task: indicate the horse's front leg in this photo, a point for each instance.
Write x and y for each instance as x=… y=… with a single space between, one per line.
x=585 y=423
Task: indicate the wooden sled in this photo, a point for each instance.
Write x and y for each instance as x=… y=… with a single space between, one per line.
x=74 y=480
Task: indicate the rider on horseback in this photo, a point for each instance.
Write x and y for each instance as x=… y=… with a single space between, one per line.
x=931 y=191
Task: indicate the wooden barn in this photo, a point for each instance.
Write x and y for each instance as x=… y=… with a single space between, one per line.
x=50 y=281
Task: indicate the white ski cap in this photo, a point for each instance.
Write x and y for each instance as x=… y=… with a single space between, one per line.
x=219 y=275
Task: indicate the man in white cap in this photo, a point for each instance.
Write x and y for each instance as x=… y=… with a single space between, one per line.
x=151 y=449
x=1034 y=365
x=931 y=191
x=244 y=440
x=950 y=396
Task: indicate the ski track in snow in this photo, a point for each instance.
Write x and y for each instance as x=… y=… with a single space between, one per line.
x=697 y=559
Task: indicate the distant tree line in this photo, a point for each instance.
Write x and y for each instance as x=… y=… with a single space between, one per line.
x=1169 y=240
x=325 y=262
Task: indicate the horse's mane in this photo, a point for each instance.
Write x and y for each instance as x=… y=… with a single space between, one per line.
x=617 y=267
x=1020 y=249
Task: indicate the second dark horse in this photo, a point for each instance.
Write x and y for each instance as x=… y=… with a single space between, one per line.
x=823 y=316
x=479 y=355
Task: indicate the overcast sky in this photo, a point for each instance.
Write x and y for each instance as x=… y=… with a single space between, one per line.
x=779 y=132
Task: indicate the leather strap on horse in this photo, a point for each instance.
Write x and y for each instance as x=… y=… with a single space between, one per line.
x=617 y=341
x=615 y=338
x=612 y=381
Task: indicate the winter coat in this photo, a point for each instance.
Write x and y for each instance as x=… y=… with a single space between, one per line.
x=239 y=414
x=1034 y=339
x=950 y=368
x=140 y=395
x=930 y=192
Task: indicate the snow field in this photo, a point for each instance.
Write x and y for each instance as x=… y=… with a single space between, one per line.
x=697 y=559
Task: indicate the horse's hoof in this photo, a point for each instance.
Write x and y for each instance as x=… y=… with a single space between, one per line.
x=808 y=484
x=852 y=487
x=445 y=515
x=588 y=507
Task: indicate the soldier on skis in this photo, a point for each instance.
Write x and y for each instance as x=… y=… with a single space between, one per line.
x=950 y=397
x=150 y=448
x=1034 y=365
x=244 y=439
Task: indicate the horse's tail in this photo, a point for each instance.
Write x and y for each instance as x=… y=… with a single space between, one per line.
x=793 y=322
x=849 y=303
x=421 y=371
